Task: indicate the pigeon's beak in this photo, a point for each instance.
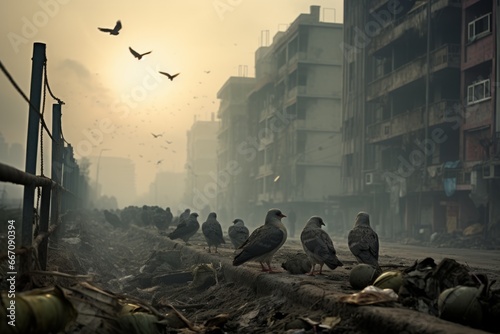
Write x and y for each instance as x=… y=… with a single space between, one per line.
x=282 y=215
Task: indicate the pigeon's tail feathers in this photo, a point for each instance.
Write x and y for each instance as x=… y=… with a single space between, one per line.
x=241 y=258
x=333 y=263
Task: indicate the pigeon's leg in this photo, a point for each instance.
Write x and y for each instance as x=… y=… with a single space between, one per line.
x=263 y=268
x=271 y=270
x=311 y=273
x=209 y=249
x=216 y=250
x=320 y=269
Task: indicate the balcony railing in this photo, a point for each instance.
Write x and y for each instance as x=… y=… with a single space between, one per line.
x=439 y=112
x=415 y=19
x=447 y=55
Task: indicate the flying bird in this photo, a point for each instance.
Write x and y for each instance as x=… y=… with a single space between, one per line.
x=115 y=31
x=137 y=54
x=170 y=76
x=168 y=142
x=238 y=233
x=213 y=232
x=159 y=162
x=207 y=71
x=264 y=241
x=186 y=229
x=318 y=245
x=157 y=135
x=363 y=241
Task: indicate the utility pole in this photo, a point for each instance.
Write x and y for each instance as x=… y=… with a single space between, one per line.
x=31 y=152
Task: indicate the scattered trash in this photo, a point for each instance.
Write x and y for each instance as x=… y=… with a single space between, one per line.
x=362 y=275
x=45 y=310
x=297 y=264
x=389 y=280
x=371 y=295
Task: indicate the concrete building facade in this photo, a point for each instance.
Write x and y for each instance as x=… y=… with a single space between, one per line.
x=295 y=117
x=201 y=166
x=408 y=121
x=232 y=167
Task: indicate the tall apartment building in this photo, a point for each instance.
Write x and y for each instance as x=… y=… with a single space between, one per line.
x=232 y=167
x=295 y=119
x=433 y=168
x=201 y=166
x=480 y=129
x=401 y=103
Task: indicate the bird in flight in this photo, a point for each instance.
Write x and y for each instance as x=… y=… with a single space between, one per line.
x=168 y=142
x=157 y=135
x=171 y=77
x=159 y=162
x=207 y=71
x=137 y=54
x=115 y=31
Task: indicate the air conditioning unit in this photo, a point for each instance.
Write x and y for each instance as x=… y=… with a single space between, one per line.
x=491 y=171
x=368 y=178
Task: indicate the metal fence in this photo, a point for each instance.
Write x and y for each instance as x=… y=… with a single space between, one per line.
x=65 y=189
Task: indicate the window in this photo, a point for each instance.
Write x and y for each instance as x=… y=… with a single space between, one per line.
x=478 y=91
x=479 y=27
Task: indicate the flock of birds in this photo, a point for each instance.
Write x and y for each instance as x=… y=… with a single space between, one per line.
x=266 y=240
x=115 y=31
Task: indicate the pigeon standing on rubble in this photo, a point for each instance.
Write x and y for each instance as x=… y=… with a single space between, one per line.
x=318 y=245
x=264 y=241
x=168 y=216
x=186 y=229
x=184 y=215
x=213 y=232
x=238 y=233
x=363 y=241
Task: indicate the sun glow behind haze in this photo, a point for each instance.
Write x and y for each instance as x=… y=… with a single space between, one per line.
x=95 y=73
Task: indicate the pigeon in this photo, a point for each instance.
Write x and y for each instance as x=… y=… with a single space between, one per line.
x=264 y=241
x=168 y=216
x=115 y=31
x=213 y=232
x=170 y=76
x=186 y=229
x=318 y=245
x=137 y=54
x=183 y=216
x=238 y=233
x=363 y=241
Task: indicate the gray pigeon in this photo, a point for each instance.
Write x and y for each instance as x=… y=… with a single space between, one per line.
x=213 y=232
x=186 y=229
x=184 y=216
x=318 y=245
x=363 y=241
x=238 y=233
x=264 y=241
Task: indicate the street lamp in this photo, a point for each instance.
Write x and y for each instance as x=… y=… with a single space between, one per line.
x=97 y=172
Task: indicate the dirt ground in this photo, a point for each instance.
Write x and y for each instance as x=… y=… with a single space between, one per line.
x=131 y=261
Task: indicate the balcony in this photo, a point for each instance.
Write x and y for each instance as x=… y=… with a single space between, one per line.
x=264 y=170
x=375 y=4
x=447 y=56
x=415 y=19
x=439 y=113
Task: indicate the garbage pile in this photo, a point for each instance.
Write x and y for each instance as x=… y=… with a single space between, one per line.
x=448 y=290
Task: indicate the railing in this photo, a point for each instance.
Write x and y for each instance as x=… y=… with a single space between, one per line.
x=65 y=175
x=439 y=112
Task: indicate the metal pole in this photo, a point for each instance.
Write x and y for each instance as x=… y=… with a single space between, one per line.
x=44 y=226
x=31 y=151
x=57 y=163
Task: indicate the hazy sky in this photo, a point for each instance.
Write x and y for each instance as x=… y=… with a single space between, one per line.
x=119 y=99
